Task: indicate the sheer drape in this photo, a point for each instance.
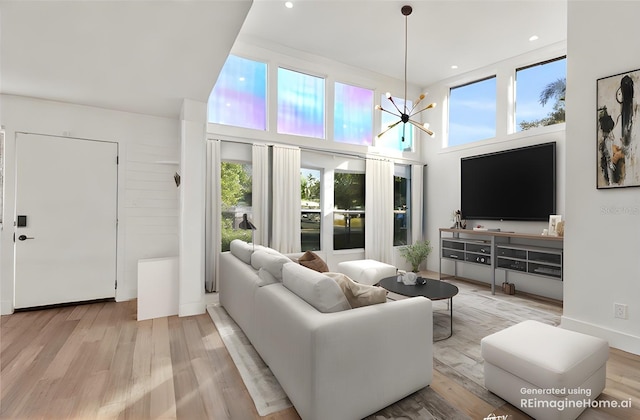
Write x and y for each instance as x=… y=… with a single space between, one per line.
x=286 y=199
x=260 y=193
x=213 y=237
x=378 y=231
x=417 y=202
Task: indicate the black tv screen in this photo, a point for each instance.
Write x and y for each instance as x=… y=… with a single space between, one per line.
x=515 y=184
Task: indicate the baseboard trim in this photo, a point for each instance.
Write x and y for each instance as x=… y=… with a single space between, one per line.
x=616 y=339
x=195 y=308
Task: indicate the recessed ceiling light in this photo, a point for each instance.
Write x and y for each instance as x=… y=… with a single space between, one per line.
x=533 y=38
x=454 y=67
x=288 y=4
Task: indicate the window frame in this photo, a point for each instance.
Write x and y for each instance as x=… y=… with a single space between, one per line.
x=514 y=110
x=476 y=80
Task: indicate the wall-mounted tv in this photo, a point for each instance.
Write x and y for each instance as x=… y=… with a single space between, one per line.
x=514 y=184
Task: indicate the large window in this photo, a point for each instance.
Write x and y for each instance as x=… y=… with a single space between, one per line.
x=348 y=213
x=353 y=115
x=540 y=92
x=399 y=137
x=311 y=213
x=235 y=190
x=401 y=204
x=300 y=104
x=239 y=97
x=472 y=112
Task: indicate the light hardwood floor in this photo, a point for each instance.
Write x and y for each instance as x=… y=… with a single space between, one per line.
x=96 y=361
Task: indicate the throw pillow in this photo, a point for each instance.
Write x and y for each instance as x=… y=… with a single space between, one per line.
x=272 y=263
x=313 y=261
x=318 y=290
x=241 y=250
x=359 y=294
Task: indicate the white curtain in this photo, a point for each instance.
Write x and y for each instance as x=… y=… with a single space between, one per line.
x=417 y=202
x=378 y=232
x=260 y=193
x=213 y=236
x=286 y=199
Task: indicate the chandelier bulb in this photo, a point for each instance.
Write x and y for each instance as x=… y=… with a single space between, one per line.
x=388 y=95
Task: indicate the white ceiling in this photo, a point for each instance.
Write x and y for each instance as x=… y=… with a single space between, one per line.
x=146 y=56
x=370 y=34
x=136 y=56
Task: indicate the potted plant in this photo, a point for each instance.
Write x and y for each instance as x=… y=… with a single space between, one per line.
x=415 y=254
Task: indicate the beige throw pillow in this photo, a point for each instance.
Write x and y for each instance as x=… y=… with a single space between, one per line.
x=313 y=261
x=358 y=294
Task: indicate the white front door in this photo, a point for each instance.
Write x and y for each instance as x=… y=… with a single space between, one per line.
x=66 y=220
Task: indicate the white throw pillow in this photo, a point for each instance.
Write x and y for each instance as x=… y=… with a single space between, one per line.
x=241 y=250
x=270 y=262
x=318 y=290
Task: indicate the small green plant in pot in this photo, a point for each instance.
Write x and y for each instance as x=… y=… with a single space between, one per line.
x=415 y=254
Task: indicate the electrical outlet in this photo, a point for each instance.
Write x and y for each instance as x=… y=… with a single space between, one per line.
x=620 y=310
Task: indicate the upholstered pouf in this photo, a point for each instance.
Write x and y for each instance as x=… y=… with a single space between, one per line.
x=547 y=372
x=366 y=271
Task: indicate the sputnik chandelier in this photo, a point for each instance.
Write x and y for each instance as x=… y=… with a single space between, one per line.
x=406 y=114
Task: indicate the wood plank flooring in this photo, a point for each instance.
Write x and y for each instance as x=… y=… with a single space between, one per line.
x=96 y=361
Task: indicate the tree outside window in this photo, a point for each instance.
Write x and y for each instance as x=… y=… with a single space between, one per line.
x=235 y=191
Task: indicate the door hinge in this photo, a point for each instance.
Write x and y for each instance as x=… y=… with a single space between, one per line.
x=116 y=285
x=117 y=160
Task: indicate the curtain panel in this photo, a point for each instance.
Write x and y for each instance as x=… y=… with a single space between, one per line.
x=286 y=199
x=213 y=236
x=417 y=203
x=378 y=233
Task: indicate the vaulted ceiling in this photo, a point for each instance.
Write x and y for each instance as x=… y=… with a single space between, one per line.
x=146 y=56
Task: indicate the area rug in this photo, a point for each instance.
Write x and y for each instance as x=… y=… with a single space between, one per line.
x=266 y=392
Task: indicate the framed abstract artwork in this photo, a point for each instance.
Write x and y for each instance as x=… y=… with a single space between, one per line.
x=618 y=151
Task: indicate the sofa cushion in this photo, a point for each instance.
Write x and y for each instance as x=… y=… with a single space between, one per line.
x=266 y=278
x=270 y=262
x=313 y=261
x=359 y=294
x=241 y=250
x=318 y=290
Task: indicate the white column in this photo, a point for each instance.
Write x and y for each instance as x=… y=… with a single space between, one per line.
x=193 y=120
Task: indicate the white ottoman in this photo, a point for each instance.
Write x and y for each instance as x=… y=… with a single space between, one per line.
x=366 y=271
x=547 y=372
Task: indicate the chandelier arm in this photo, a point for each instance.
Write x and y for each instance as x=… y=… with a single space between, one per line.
x=421 y=127
x=431 y=105
x=388 y=128
x=394 y=104
x=389 y=112
x=415 y=105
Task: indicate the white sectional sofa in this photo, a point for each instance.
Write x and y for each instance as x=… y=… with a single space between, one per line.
x=333 y=363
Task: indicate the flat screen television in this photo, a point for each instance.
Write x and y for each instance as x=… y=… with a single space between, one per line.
x=514 y=184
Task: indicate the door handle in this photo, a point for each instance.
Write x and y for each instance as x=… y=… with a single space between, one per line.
x=24 y=237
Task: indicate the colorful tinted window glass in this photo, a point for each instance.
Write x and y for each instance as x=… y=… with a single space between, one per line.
x=353 y=115
x=300 y=104
x=393 y=139
x=472 y=112
x=239 y=97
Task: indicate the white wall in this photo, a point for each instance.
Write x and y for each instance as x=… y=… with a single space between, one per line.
x=443 y=168
x=148 y=203
x=602 y=245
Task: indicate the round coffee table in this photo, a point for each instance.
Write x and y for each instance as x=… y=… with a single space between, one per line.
x=432 y=289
